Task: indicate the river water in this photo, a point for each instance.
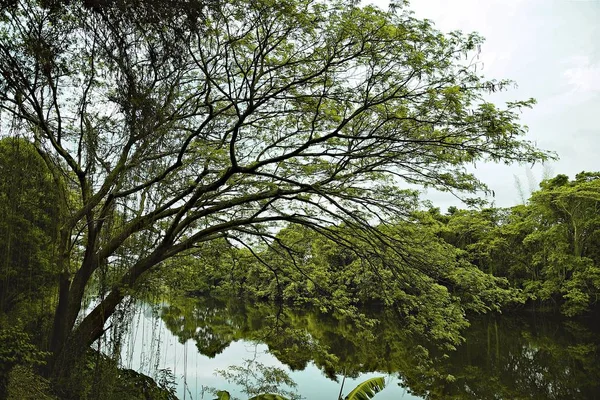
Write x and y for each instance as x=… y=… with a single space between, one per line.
x=518 y=356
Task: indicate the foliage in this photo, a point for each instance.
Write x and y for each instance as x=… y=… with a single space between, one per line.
x=548 y=248
x=364 y=391
x=337 y=344
x=261 y=381
x=133 y=385
x=98 y=376
x=367 y=389
x=222 y=395
x=567 y=238
x=28 y=226
x=26 y=384
x=16 y=349
x=177 y=126
x=427 y=281
x=28 y=222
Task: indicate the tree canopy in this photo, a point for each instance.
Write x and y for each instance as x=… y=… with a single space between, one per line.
x=548 y=248
x=171 y=127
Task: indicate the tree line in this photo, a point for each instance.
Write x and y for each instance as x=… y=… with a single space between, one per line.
x=542 y=254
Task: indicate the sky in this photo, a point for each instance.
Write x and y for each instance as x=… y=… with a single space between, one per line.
x=551 y=48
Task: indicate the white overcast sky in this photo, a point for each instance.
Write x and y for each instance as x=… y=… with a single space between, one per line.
x=551 y=48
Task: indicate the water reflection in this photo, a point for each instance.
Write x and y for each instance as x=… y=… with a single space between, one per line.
x=504 y=357
x=522 y=357
x=336 y=344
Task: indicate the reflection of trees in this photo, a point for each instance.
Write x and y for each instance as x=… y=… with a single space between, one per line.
x=506 y=357
x=207 y=324
x=512 y=357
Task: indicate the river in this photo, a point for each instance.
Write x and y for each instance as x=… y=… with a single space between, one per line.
x=518 y=356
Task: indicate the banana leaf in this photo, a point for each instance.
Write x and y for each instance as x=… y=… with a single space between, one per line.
x=367 y=390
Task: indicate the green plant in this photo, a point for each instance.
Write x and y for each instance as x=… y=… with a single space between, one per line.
x=364 y=391
x=367 y=389
x=16 y=349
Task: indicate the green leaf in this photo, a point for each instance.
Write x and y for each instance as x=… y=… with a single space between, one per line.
x=223 y=395
x=367 y=390
x=268 y=396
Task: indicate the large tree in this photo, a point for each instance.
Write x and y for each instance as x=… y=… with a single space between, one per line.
x=173 y=126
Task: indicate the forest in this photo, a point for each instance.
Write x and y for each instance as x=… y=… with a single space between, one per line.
x=266 y=151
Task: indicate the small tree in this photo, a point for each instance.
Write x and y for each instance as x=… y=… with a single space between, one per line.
x=173 y=126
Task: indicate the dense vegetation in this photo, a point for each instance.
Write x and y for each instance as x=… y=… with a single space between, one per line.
x=539 y=254
x=542 y=254
x=259 y=148
x=548 y=248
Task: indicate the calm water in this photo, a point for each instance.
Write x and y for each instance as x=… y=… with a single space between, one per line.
x=526 y=356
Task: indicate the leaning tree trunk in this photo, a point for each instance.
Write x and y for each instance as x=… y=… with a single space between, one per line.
x=70 y=341
x=70 y=298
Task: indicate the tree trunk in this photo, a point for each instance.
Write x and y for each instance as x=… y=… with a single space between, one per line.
x=60 y=328
x=69 y=342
